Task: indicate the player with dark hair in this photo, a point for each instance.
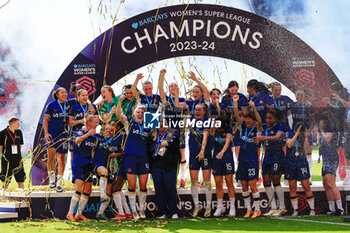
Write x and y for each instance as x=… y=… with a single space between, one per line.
x=56 y=133
x=223 y=165
x=200 y=94
x=200 y=146
x=248 y=167
x=297 y=167
x=273 y=163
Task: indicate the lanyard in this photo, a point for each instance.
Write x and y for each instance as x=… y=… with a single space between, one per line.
x=279 y=103
x=254 y=96
x=336 y=104
x=129 y=105
x=149 y=103
x=108 y=141
x=84 y=109
x=194 y=105
x=296 y=146
x=64 y=110
x=13 y=138
x=172 y=100
x=303 y=110
x=247 y=135
x=109 y=106
x=141 y=128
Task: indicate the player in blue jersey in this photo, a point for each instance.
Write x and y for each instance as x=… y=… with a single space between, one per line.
x=76 y=116
x=227 y=100
x=152 y=101
x=199 y=93
x=303 y=111
x=136 y=158
x=215 y=107
x=329 y=129
x=119 y=199
x=105 y=165
x=87 y=140
x=259 y=94
x=200 y=147
x=174 y=107
x=274 y=158
x=297 y=167
x=74 y=88
x=281 y=102
x=248 y=166
x=56 y=133
x=223 y=165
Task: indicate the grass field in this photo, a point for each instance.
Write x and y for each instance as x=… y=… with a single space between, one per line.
x=288 y=224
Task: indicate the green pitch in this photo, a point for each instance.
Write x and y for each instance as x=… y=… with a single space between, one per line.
x=288 y=224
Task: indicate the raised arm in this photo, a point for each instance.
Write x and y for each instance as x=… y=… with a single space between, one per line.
x=107 y=117
x=119 y=113
x=161 y=84
x=134 y=86
x=290 y=142
x=176 y=100
x=235 y=110
x=256 y=114
x=206 y=93
x=78 y=140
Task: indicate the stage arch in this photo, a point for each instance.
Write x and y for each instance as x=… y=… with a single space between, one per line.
x=191 y=30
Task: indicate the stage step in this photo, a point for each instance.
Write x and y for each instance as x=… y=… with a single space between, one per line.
x=13 y=210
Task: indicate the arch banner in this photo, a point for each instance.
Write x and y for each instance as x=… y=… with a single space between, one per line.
x=191 y=30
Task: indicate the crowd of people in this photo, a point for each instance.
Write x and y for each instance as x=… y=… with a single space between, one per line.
x=268 y=133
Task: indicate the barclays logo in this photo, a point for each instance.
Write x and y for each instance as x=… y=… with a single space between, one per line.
x=134 y=25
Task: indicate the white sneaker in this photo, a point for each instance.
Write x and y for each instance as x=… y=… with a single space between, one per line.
x=162 y=217
x=295 y=213
x=271 y=212
x=346 y=180
x=232 y=212
x=195 y=211
x=207 y=212
x=219 y=211
x=175 y=216
x=279 y=212
x=135 y=215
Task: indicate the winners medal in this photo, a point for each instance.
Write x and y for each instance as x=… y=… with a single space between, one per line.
x=296 y=153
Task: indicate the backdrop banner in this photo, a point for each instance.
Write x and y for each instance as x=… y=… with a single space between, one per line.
x=191 y=30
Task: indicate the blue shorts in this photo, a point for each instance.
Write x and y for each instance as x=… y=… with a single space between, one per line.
x=120 y=169
x=224 y=166
x=60 y=143
x=110 y=176
x=273 y=168
x=205 y=164
x=83 y=173
x=136 y=165
x=329 y=167
x=247 y=171
x=298 y=171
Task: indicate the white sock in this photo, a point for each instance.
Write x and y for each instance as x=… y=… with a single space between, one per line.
x=246 y=198
x=347 y=172
x=309 y=160
x=256 y=198
x=182 y=170
x=125 y=204
x=142 y=200
x=194 y=192
x=311 y=202
x=220 y=205
x=132 y=199
x=339 y=205
x=59 y=180
x=331 y=206
x=294 y=201
x=103 y=207
x=73 y=203
x=51 y=176
x=280 y=194
x=270 y=194
x=118 y=202
x=82 y=203
x=208 y=192
x=337 y=177
x=232 y=204
x=103 y=186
